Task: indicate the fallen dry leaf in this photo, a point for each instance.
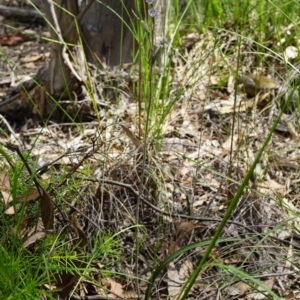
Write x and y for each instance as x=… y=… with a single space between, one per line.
x=239 y=288
x=5 y=186
x=131 y=136
x=116 y=289
x=172 y=248
x=37 y=236
x=10 y=210
x=32 y=194
x=47 y=211
x=174 y=283
x=32 y=58
x=82 y=238
x=186 y=269
x=186 y=227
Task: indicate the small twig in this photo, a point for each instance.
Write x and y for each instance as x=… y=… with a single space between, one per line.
x=82 y=214
x=23 y=13
x=128 y=186
x=10 y=129
x=98 y=297
x=86 y=156
x=254 y=276
x=203 y=219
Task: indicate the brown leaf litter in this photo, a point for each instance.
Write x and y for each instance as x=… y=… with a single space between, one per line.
x=209 y=141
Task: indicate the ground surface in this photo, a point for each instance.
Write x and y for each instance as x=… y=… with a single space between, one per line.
x=209 y=141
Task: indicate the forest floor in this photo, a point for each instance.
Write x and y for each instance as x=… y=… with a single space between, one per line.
x=96 y=175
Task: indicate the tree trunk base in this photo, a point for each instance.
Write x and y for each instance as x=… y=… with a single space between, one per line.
x=32 y=99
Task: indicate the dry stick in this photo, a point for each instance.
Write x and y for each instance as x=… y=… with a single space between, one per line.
x=98 y=297
x=236 y=281
x=17 y=12
x=83 y=215
x=128 y=186
x=11 y=130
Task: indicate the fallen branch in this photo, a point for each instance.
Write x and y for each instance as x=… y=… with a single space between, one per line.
x=22 y=14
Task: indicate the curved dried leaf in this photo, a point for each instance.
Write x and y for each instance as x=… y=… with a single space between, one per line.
x=5 y=179
x=5 y=186
x=186 y=227
x=67 y=282
x=28 y=196
x=78 y=231
x=37 y=236
x=172 y=248
x=47 y=211
x=131 y=136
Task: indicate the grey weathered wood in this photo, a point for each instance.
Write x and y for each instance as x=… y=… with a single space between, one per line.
x=107 y=30
x=65 y=12
x=22 y=13
x=108 y=38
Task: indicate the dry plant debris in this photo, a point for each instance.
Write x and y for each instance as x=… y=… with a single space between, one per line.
x=198 y=168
